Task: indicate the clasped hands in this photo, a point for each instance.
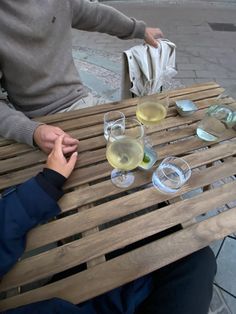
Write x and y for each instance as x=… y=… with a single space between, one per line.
x=46 y=135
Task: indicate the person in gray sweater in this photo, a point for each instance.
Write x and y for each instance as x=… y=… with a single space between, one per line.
x=37 y=72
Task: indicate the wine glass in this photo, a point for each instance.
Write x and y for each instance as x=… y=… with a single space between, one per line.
x=125 y=151
x=109 y=119
x=150 y=111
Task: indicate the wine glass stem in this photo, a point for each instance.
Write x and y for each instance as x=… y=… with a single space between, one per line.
x=122 y=178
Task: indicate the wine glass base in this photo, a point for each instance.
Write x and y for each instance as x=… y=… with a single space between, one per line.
x=122 y=179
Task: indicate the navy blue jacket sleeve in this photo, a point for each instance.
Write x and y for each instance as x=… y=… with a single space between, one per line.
x=22 y=208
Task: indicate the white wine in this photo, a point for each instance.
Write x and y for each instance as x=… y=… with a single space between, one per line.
x=150 y=113
x=125 y=153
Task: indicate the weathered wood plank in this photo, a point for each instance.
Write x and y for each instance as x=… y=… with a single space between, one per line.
x=87 y=171
x=81 y=176
x=14 y=149
x=113 y=238
x=92 y=130
x=93 y=193
x=82 y=122
x=127 y=205
x=36 y=156
x=132 y=265
x=197 y=88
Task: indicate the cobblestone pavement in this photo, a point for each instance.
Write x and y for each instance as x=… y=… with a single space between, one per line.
x=203 y=54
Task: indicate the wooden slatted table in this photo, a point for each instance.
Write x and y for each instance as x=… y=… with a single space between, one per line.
x=98 y=218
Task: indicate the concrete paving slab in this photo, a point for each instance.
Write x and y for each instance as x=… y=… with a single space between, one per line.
x=230 y=301
x=218 y=305
x=207 y=54
x=226 y=274
x=215 y=246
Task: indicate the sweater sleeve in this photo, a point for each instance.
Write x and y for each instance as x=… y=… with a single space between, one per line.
x=21 y=208
x=51 y=182
x=105 y=19
x=14 y=124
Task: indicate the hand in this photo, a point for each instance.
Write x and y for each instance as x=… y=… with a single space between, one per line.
x=46 y=135
x=151 y=36
x=57 y=161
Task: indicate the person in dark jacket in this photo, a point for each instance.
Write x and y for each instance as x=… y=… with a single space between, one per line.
x=183 y=287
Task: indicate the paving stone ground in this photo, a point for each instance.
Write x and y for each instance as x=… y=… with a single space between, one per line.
x=202 y=55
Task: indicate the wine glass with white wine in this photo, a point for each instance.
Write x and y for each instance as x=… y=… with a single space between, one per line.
x=125 y=151
x=150 y=112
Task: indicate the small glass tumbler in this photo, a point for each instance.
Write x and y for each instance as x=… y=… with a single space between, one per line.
x=218 y=118
x=171 y=175
x=109 y=119
x=210 y=129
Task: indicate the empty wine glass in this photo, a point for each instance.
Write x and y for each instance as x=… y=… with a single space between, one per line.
x=109 y=119
x=125 y=151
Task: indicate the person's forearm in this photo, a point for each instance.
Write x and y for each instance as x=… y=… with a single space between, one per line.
x=15 y=125
x=105 y=19
x=22 y=208
x=51 y=182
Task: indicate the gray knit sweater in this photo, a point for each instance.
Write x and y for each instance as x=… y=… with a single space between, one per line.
x=36 y=64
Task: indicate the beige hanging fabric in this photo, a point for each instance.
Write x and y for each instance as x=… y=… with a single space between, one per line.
x=144 y=64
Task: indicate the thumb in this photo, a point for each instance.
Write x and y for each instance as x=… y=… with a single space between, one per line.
x=58 y=145
x=72 y=161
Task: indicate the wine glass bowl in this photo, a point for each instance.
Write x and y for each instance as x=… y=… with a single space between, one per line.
x=151 y=111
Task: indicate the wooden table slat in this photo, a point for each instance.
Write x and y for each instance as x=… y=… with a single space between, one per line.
x=197 y=89
x=34 y=157
x=108 y=240
x=132 y=265
x=51 y=232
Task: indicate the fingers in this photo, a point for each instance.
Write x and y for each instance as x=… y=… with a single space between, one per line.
x=153 y=42
x=57 y=160
x=63 y=145
x=68 y=140
x=58 y=145
x=70 y=144
x=69 y=149
x=151 y=36
x=159 y=34
x=72 y=161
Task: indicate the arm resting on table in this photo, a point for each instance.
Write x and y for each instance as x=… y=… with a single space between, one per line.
x=22 y=208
